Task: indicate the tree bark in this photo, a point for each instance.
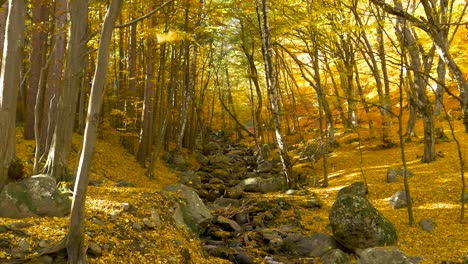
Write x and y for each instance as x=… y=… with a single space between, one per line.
x=75 y=242
x=272 y=96
x=57 y=160
x=3 y=19
x=39 y=34
x=10 y=83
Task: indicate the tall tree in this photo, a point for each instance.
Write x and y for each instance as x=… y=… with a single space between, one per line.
x=57 y=160
x=10 y=83
x=264 y=25
x=75 y=243
x=39 y=32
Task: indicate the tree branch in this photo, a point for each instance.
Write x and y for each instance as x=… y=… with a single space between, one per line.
x=136 y=20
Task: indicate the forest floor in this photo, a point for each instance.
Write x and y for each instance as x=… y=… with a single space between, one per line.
x=435 y=190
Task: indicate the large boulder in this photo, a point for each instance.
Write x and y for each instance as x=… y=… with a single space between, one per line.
x=384 y=255
x=335 y=256
x=357 y=188
x=34 y=196
x=190 y=211
x=357 y=224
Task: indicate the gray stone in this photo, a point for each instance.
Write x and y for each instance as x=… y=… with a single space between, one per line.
x=94 y=249
x=190 y=209
x=148 y=223
x=227 y=224
x=265 y=166
x=43 y=243
x=383 y=255
x=243 y=258
x=313 y=203
x=227 y=202
x=155 y=217
x=292 y=192
x=335 y=256
x=398 y=200
x=392 y=175
x=34 y=196
x=189 y=178
x=137 y=226
x=427 y=224
x=250 y=184
x=235 y=192
x=273 y=184
x=98 y=222
x=314 y=245
x=124 y=183
x=357 y=189
x=24 y=245
x=272 y=237
x=357 y=224
x=96 y=183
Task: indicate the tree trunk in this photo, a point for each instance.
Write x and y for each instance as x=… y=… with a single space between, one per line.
x=272 y=97
x=148 y=104
x=57 y=160
x=39 y=34
x=10 y=83
x=75 y=242
x=3 y=19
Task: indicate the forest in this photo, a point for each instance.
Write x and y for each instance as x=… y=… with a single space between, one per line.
x=221 y=131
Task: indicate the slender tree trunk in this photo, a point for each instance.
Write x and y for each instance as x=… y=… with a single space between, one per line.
x=148 y=104
x=75 y=242
x=39 y=34
x=272 y=96
x=57 y=160
x=3 y=19
x=10 y=83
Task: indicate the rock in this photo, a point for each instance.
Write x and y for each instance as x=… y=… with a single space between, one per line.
x=227 y=224
x=242 y=218
x=392 y=175
x=23 y=245
x=44 y=243
x=97 y=183
x=216 y=181
x=216 y=251
x=357 y=224
x=34 y=196
x=227 y=202
x=94 y=249
x=124 y=183
x=265 y=166
x=292 y=192
x=202 y=159
x=273 y=184
x=427 y=224
x=148 y=223
x=335 y=256
x=190 y=209
x=235 y=192
x=398 y=200
x=137 y=226
x=314 y=245
x=383 y=255
x=155 y=217
x=98 y=222
x=272 y=237
x=242 y=258
x=250 y=184
x=127 y=207
x=313 y=203
x=357 y=189
x=189 y=178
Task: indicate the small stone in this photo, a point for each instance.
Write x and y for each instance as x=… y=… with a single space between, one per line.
x=148 y=223
x=94 y=249
x=155 y=217
x=124 y=183
x=137 y=226
x=24 y=245
x=427 y=224
x=97 y=183
x=291 y=192
x=98 y=222
x=398 y=200
x=126 y=206
x=114 y=216
x=44 y=243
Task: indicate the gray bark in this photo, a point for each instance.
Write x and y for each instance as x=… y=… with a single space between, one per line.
x=57 y=160
x=10 y=83
x=75 y=242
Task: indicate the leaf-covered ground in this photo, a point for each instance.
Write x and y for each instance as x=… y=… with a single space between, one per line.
x=435 y=189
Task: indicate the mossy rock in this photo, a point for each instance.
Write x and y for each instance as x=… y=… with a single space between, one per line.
x=357 y=224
